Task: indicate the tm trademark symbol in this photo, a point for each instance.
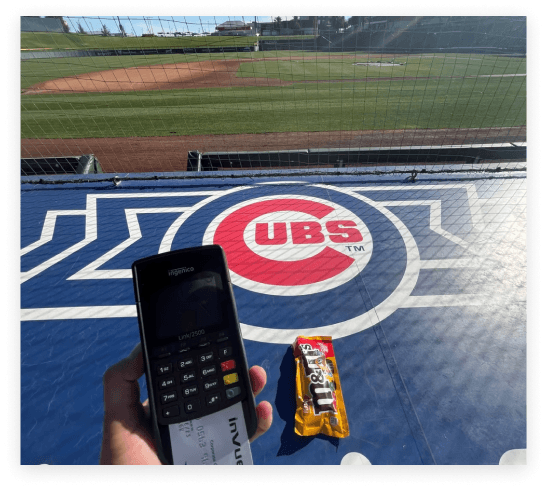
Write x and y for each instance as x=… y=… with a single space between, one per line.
x=356 y=248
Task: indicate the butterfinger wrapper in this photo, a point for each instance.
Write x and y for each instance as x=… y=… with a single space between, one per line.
x=320 y=406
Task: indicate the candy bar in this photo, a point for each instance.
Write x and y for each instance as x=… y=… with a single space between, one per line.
x=319 y=403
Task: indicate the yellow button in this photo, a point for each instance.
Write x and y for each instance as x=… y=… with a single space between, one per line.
x=230 y=379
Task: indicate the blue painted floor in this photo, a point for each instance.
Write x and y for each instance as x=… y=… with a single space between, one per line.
x=421 y=284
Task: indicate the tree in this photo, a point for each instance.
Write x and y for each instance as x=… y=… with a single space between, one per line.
x=63 y=22
x=122 y=30
x=80 y=29
x=277 y=22
x=105 y=31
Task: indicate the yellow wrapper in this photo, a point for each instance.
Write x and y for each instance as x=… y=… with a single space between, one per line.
x=320 y=406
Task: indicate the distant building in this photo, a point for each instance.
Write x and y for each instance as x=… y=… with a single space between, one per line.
x=175 y=34
x=43 y=24
x=235 y=28
x=287 y=27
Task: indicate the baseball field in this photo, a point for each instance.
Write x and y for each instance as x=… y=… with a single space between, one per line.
x=143 y=113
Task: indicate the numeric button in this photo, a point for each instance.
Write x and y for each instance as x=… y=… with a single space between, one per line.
x=191 y=390
x=211 y=384
x=191 y=406
x=165 y=383
x=224 y=351
x=168 y=397
x=206 y=371
x=187 y=362
x=164 y=369
x=188 y=377
x=206 y=357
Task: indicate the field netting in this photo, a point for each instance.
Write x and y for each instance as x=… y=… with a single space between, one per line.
x=137 y=94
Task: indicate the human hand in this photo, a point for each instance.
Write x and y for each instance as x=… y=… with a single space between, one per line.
x=127 y=429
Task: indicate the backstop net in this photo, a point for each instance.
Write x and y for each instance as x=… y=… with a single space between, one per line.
x=128 y=95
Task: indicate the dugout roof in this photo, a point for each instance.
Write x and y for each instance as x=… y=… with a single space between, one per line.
x=428 y=320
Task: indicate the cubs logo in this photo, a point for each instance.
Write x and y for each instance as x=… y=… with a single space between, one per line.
x=323 y=261
x=289 y=245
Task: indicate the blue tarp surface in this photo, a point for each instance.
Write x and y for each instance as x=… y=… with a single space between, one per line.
x=425 y=298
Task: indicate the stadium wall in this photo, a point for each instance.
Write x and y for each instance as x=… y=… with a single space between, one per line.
x=41 y=24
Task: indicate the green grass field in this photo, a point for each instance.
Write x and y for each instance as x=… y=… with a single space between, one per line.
x=453 y=103
x=57 y=41
x=54 y=40
x=320 y=69
x=394 y=104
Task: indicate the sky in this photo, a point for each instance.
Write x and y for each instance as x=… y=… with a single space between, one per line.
x=139 y=25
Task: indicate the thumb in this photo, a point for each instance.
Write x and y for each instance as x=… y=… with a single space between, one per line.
x=121 y=387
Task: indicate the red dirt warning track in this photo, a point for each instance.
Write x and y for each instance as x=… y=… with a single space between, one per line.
x=167 y=154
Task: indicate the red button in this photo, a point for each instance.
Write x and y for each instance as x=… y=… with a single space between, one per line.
x=228 y=365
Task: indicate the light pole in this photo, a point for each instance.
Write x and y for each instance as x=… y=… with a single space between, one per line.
x=256 y=33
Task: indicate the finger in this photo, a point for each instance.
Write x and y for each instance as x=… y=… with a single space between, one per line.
x=146 y=407
x=131 y=367
x=121 y=387
x=264 y=413
x=258 y=378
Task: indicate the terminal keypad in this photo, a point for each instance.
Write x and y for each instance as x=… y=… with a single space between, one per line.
x=197 y=377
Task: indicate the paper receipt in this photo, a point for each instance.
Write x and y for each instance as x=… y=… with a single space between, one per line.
x=217 y=439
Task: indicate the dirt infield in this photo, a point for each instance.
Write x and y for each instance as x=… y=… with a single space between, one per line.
x=167 y=154
x=199 y=74
x=177 y=76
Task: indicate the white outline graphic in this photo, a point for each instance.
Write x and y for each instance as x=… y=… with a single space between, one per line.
x=90 y=214
x=49 y=227
x=90 y=271
x=400 y=298
x=472 y=198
